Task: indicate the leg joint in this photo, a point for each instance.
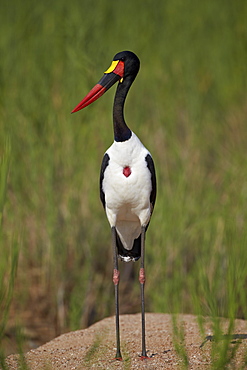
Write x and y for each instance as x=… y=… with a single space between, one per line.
x=142 y=275
x=116 y=276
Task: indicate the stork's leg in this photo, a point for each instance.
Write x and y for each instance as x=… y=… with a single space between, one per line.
x=142 y=283
x=116 y=283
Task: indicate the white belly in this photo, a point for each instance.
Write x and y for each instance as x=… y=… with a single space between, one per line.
x=127 y=199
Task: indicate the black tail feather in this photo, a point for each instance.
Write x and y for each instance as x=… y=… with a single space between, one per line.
x=133 y=254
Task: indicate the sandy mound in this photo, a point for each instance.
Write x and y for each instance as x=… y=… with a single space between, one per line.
x=94 y=347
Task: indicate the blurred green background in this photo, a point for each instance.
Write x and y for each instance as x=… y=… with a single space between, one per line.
x=188 y=105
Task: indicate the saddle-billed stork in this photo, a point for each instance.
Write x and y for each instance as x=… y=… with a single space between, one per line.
x=127 y=180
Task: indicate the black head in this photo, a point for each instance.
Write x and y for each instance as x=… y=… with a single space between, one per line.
x=124 y=69
x=131 y=62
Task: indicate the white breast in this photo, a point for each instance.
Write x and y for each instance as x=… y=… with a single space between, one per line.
x=127 y=198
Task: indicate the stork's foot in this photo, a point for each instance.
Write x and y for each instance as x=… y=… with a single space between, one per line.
x=118 y=356
x=145 y=357
x=118 y=359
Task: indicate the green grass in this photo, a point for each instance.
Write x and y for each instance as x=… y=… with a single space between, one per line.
x=188 y=105
x=92 y=352
x=9 y=252
x=179 y=342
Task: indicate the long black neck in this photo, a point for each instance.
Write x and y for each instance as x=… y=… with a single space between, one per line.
x=121 y=130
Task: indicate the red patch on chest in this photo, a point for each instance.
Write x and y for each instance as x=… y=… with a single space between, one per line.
x=126 y=171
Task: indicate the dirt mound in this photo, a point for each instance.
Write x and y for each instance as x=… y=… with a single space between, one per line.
x=94 y=347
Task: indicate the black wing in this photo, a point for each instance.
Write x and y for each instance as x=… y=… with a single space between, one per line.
x=104 y=164
x=150 y=165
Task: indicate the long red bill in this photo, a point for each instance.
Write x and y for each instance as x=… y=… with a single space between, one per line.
x=96 y=92
x=111 y=76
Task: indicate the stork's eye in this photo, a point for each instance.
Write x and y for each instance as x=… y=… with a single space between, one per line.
x=122 y=59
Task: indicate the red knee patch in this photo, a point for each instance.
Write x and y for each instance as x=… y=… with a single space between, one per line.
x=142 y=275
x=116 y=275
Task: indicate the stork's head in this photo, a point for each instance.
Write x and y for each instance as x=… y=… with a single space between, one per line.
x=125 y=65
